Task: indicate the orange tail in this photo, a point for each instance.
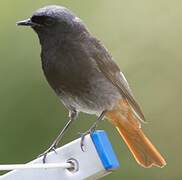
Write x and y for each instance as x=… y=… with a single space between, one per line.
x=142 y=149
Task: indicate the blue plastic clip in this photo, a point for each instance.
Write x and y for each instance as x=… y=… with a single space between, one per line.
x=105 y=150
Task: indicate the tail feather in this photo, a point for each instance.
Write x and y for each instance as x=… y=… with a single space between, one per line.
x=140 y=146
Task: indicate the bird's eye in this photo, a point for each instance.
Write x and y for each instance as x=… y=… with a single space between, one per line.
x=49 y=22
x=43 y=20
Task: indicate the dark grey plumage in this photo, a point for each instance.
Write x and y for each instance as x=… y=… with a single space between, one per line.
x=78 y=67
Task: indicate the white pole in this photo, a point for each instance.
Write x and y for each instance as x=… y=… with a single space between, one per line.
x=35 y=166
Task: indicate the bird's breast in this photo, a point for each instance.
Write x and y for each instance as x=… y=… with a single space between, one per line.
x=78 y=82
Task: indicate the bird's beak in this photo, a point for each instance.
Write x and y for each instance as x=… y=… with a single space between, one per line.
x=26 y=22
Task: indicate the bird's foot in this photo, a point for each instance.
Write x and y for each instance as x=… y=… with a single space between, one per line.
x=50 y=149
x=90 y=131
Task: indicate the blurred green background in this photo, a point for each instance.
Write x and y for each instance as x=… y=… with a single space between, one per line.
x=145 y=38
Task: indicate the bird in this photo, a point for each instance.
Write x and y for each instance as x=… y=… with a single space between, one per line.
x=85 y=77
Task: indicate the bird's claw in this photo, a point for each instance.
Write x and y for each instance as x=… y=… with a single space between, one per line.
x=82 y=140
x=44 y=154
x=90 y=131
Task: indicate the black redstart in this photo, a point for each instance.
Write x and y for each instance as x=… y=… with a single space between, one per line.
x=86 y=79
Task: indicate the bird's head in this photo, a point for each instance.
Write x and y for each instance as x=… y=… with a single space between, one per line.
x=53 y=21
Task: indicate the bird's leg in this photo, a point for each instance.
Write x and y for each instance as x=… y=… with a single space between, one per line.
x=91 y=129
x=72 y=116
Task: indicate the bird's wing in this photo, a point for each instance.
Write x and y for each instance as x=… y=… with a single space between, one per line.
x=112 y=72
